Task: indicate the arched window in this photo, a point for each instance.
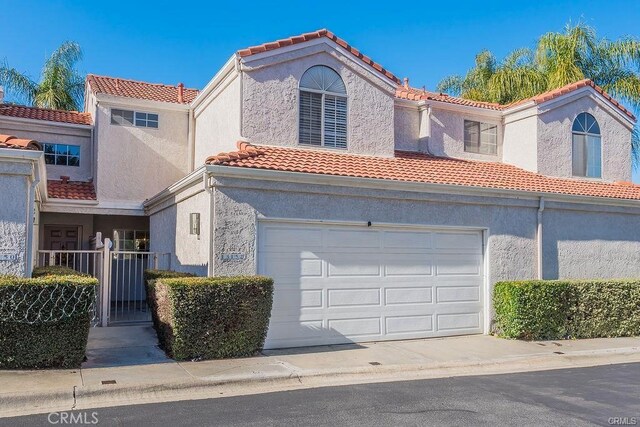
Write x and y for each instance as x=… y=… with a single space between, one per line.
x=587 y=154
x=323 y=108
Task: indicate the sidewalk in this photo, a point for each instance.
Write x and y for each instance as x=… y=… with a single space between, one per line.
x=125 y=366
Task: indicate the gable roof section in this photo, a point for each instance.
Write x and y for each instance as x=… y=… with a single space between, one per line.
x=60 y=116
x=71 y=190
x=140 y=90
x=10 y=141
x=266 y=47
x=417 y=167
x=555 y=93
x=414 y=94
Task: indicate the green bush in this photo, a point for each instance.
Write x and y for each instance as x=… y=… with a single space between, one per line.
x=558 y=309
x=44 y=322
x=150 y=276
x=211 y=317
x=56 y=270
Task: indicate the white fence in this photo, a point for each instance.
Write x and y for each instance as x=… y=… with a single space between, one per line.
x=121 y=297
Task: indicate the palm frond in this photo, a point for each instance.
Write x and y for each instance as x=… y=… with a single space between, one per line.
x=17 y=82
x=451 y=85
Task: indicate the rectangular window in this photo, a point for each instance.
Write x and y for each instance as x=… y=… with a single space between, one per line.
x=130 y=241
x=587 y=156
x=323 y=120
x=61 y=154
x=134 y=118
x=310 y=118
x=480 y=137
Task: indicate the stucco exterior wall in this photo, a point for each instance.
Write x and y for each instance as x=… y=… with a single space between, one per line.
x=270 y=101
x=554 y=140
x=170 y=232
x=134 y=163
x=406 y=128
x=217 y=120
x=520 y=143
x=14 y=210
x=447 y=134
x=50 y=132
x=591 y=244
x=511 y=224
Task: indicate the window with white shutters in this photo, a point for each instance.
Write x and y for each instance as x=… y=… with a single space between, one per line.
x=323 y=108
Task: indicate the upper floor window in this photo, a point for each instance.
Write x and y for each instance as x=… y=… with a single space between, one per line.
x=323 y=108
x=480 y=137
x=61 y=154
x=134 y=118
x=586 y=145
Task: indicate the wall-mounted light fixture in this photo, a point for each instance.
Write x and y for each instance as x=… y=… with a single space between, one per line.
x=194 y=223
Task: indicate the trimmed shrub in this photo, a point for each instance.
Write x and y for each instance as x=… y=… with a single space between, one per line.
x=56 y=270
x=212 y=317
x=150 y=276
x=44 y=322
x=558 y=309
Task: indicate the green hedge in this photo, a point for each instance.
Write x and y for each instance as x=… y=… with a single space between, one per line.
x=557 y=309
x=56 y=270
x=150 y=276
x=45 y=321
x=211 y=318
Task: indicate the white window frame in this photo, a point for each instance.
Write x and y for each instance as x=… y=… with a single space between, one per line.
x=480 y=123
x=344 y=96
x=142 y=116
x=586 y=134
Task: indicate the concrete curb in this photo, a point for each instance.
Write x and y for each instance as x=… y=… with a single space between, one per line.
x=254 y=383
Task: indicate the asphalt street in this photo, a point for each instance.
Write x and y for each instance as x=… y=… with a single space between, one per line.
x=604 y=395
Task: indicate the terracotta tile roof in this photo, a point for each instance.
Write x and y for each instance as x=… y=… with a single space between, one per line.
x=552 y=94
x=414 y=94
x=10 y=141
x=140 y=90
x=316 y=35
x=74 y=190
x=61 y=116
x=417 y=167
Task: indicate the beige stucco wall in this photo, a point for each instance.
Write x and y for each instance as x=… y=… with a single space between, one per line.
x=14 y=210
x=554 y=140
x=270 y=101
x=134 y=163
x=406 y=128
x=217 y=120
x=520 y=143
x=447 y=134
x=51 y=132
x=170 y=231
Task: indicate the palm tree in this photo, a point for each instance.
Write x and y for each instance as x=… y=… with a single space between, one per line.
x=559 y=58
x=60 y=86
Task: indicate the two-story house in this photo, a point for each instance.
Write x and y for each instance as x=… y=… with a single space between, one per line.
x=382 y=211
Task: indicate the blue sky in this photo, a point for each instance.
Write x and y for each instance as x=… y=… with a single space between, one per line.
x=171 y=42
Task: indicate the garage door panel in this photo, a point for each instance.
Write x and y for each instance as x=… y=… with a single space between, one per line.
x=455 y=294
x=353 y=297
x=353 y=265
x=290 y=238
x=407 y=240
x=405 y=296
x=458 y=321
x=408 y=264
x=458 y=264
x=371 y=284
x=409 y=324
x=350 y=327
x=348 y=238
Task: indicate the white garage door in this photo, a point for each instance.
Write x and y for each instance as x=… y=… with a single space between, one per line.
x=339 y=284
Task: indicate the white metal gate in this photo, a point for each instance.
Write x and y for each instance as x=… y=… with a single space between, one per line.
x=121 y=298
